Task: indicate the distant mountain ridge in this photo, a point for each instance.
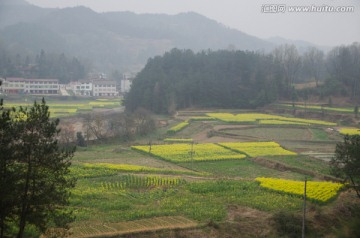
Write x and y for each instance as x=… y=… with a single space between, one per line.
x=116 y=40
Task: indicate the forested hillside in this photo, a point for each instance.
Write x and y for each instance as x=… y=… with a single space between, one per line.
x=228 y=79
x=243 y=79
x=42 y=65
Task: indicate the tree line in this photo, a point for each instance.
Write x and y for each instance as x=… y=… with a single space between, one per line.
x=101 y=128
x=42 y=65
x=240 y=79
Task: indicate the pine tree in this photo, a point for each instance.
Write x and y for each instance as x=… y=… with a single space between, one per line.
x=8 y=174
x=38 y=168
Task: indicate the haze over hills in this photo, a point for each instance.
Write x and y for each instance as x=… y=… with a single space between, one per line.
x=116 y=40
x=301 y=45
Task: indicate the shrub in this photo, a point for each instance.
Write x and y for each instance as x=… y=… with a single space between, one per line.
x=288 y=224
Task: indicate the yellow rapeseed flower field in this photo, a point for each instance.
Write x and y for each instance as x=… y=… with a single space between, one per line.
x=178 y=140
x=190 y=152
x=246 y=117
x=278 y=122
x=336 y=109
x=266 y=119
x=349 y=131
x=123 y=167
x=178 y=127
x=319 y=191
x=255 y=149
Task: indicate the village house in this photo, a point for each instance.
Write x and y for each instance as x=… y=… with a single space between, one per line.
x=31 y=86
x=82 y=88
x=105 y=88
x=126 y=82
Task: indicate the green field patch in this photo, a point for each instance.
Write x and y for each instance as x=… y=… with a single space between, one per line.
x=272 y=133
x=319 y=134
x=303 y=162
x=200 y=201
x=115 y=154
x=202 y=118
x=246 y=193
x=239 y=168
x=141 y=182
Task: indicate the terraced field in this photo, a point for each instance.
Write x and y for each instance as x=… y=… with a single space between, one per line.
x=258 y=118
x=177 y=181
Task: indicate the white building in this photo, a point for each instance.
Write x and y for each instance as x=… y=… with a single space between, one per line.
x=82 y=88
x=31 y=86
x=125 y=83
x=104 y=88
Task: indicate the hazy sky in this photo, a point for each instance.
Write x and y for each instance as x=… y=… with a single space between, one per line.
x=323 y=28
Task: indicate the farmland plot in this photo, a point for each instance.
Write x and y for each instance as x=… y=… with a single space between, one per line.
x=317 y=191
x=255 y=149
x=349 y=131
x=258 y=118
x=190 y=152
x=122 y=228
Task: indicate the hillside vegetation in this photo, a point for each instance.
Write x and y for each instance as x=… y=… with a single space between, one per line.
x=181 y=79
x=242 y=79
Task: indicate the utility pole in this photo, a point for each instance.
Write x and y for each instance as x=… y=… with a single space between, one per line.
x=192 y=152
x=304 y=214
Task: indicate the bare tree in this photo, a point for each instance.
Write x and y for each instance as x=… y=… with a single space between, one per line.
x=67 y=134
x=95 y=126
x=313 y=62
x=289 y=59
x=343 y=63
x=122 y=125
x=143 y=121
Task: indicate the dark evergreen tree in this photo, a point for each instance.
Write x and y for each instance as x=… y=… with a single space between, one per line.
x=34 y=169
x=227 y=79
x=8 y=174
